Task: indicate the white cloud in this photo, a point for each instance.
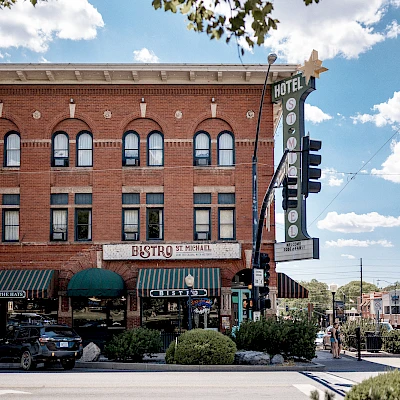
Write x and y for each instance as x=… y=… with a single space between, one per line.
x=35 y=27
x=357 y=243
x=145 y=56
x=315 y=114
x=333 y=177
x=393 y=30
x=335 y=28
x=391 y=167
x=348 y=256
x=43 y=60
x=387 y=113
x=356 y=223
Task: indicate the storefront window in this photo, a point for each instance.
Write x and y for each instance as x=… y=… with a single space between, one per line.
x=171 y=314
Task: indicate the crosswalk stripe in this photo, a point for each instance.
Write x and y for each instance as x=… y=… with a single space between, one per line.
x=308 y=389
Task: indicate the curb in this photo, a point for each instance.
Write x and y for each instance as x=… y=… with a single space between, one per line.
x=149 y=367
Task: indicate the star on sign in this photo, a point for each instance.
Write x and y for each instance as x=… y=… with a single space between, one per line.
x=312 y=67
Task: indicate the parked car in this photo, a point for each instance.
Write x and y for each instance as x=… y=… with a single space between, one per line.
x=319 y=338
x=30 y=344
x=29 y=318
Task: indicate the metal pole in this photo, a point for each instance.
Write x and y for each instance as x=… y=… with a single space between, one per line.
x=190 y=309
x=256 y=260
x=333 y=307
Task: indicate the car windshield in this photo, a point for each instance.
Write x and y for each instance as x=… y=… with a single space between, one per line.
x=60 y=331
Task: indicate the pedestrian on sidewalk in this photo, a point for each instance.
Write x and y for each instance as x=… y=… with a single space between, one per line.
x=333 y=340
x=339 y=341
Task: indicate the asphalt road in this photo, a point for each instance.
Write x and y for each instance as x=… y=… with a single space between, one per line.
x=338 y=377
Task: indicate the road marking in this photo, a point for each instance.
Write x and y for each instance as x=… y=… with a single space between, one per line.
x=308 y=389
x=2 y=392
x=335 y=383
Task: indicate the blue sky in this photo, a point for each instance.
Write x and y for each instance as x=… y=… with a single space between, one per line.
x=355 y=110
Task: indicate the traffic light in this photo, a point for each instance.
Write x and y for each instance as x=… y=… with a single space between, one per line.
x=265 y=303
x=289 y=195
x=264 y=265
x=309 y=160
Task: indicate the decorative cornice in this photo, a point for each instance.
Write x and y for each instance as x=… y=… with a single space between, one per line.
x=134 y=74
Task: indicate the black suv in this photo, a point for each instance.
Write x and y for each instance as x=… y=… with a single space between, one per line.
x=32 y=344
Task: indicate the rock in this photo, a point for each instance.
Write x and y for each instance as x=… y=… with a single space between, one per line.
x=252 y=358
x=277 y=359
x=91 y=352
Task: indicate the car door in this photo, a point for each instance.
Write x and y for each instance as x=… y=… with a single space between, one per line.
x=5 y=345
x=21 y=340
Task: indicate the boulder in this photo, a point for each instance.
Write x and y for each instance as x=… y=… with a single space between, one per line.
x=91 y=352
x=277 y=359
x=252 y=358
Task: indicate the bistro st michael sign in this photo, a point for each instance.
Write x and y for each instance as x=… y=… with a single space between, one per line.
x=171 y=251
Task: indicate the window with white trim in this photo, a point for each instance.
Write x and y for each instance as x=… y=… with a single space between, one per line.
x=60 y=146
x=155 y=149
x=225 y=144
x=202 y=146
x=84 y=148
x=12 y=149
x=131 y=147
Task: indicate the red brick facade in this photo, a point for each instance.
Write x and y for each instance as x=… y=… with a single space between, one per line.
x=35 y=180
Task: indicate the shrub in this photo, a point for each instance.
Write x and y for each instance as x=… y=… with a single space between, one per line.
x=384 y=386
x=202 y=347
x=391 y=342
x=291 y=338
x=133 y=344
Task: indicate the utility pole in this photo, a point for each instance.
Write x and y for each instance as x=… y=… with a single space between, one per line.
x=361 y=292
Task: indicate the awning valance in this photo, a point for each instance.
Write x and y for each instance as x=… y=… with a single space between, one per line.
x=96 y=282
x=37 y=283
x=290 y=289
x=174 y=279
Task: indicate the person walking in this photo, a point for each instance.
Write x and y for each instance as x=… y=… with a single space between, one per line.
x=339 y=341
x=334 y=343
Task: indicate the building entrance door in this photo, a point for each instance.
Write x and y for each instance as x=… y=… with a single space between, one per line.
x=241 y=306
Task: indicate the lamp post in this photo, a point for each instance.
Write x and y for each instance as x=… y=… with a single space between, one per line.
x=256 y=257
x=333 y=288
x=189 y=280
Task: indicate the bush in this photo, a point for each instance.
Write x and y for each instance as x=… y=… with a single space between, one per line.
x=201 y=347
x=391 y=342
x=294 y=339
x=133 y=344
x=384 y=386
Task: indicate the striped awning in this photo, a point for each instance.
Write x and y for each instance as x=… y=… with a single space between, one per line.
x=37 y=283
x=174 y=279
x=290 y=289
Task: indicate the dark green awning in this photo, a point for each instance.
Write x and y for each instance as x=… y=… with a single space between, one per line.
x=96 y=282
x=174 y=278
x=37 y=283
x=290 y=289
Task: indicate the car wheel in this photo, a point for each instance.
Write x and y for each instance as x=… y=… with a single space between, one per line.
x=27 y=363
x=68 y=364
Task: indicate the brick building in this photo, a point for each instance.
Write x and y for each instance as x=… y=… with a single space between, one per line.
x=119 y=180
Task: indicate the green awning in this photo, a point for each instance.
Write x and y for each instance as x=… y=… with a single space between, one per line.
x=37 y=283
x=290 y=289
x=174 y=279
x=96 y=282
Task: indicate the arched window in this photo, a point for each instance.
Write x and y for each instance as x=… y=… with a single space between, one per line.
x=226 y=154
x=60 y=147
x=202 y=145
x=130 y=144
x=12 y=149
x=155 y=149
x=84 y=147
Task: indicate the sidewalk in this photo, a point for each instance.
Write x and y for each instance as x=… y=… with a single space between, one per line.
x=157 y=364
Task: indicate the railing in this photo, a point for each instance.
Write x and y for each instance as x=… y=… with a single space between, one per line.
x=167 y=338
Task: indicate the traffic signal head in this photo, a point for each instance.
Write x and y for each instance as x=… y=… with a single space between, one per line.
x=309 y=175
x=264 y=264
x=264 y=261
x=289 y=194
x=265 y=303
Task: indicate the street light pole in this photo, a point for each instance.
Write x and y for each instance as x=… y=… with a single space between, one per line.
x=189 y=280
x=333 y=288
x=256 y=259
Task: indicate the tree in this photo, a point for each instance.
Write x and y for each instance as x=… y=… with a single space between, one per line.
x=203 y=16
x=352 y=291
x=9 y=3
